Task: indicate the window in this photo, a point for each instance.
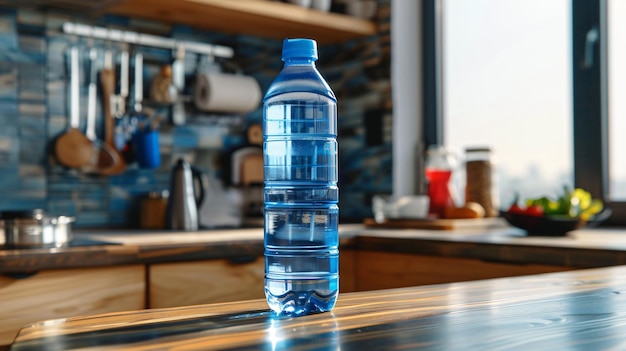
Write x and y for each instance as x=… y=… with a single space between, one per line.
x=507 y=83
x=558 y=66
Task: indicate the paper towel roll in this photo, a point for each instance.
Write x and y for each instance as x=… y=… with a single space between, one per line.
x=220 y=92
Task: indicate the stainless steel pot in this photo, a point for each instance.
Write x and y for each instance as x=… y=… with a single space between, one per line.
x=35 y=229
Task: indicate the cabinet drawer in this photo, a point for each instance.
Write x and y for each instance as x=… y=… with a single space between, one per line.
x=64 y=293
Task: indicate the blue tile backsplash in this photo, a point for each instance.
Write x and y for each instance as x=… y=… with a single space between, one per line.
x=34 y=77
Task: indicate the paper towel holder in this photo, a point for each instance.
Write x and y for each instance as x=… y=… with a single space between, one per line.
x=226 y=92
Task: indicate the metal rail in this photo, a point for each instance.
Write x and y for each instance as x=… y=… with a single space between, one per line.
x=146 y=40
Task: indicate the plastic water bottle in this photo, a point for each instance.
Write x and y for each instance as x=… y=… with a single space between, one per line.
x=300 y=194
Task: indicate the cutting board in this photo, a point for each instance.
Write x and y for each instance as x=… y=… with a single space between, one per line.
x=436 y=224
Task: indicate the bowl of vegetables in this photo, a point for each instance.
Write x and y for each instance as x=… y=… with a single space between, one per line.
x=546 y=216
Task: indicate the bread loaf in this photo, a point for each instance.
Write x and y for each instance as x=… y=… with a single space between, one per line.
x=470 y=210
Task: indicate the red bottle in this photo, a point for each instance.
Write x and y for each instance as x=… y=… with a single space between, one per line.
x=438 y=171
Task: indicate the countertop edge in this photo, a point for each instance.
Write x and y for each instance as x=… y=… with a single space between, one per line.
x=493 y=246
x=549 y=311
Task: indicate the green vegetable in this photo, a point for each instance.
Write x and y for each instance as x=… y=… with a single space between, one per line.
x=573 y=204
x=549 y=206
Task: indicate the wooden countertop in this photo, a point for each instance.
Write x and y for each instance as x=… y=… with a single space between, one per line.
x=586 y=248
x=581 y=310
x=143 y=247
x=582 y=249
x=136 y=247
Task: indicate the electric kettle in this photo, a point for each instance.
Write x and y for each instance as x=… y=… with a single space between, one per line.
x=186 y=196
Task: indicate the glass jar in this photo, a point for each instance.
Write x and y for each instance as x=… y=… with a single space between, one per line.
x=480 y=179
x=152 y=210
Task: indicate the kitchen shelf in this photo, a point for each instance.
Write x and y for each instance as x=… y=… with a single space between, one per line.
x=257 y=17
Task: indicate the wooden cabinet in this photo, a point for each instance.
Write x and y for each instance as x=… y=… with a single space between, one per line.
x=383 y=270
x=211 y=281
x=201 y=282
x=254 y=17
x=55 y=294
x=347 y=271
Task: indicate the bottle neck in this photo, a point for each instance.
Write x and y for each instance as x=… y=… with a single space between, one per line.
x=299 y=61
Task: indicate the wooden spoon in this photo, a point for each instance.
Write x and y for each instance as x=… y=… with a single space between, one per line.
x=103 y=156
x=107 y=79
x=73 y=149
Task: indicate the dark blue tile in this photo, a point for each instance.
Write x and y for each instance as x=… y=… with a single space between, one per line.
x=33 y=152
x=58 y=206
x=32 y=178
x=32 y=121
x=10 y=127
x=57 y=99
x=9 y=108
x=8 y=81
x=16 y=201
x=31 y=21
x=9 y=175
x=32 y=44
x=8 y=30
x=185 y=137
x=91 y=219
x=116 y=21
x=57 y=125
x=9 y=147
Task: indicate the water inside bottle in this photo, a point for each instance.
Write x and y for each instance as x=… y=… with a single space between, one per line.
x=301 y=212
x=302 y=259
x=300 y=113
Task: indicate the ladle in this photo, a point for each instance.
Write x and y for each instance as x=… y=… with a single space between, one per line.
x=73 y=149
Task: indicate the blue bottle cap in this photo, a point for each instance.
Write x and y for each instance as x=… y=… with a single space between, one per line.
x=299 y=48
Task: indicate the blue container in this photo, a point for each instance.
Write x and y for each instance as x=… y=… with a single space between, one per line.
x=147 y=149
x=300 y=194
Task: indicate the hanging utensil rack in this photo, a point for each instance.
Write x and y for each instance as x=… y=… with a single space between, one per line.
x=146 y=40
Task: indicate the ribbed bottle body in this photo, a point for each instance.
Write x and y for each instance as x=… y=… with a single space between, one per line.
x=301 y=200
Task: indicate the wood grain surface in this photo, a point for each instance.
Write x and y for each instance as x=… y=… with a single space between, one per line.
x=213 y=281
x=384 y=270
x=61 y=293
x=138 y=248
x=264 y=18
x=579 y=249
x=436 y=223
x=201 y=282
x=578 y=310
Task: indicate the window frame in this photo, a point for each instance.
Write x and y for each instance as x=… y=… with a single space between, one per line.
x=589 y=95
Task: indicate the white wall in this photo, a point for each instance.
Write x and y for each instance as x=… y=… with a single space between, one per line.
x=406 y=78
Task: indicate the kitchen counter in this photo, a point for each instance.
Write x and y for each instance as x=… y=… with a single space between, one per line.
x=136 y=247
x=585 y=248
x=581 y=249
x=581 y=309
